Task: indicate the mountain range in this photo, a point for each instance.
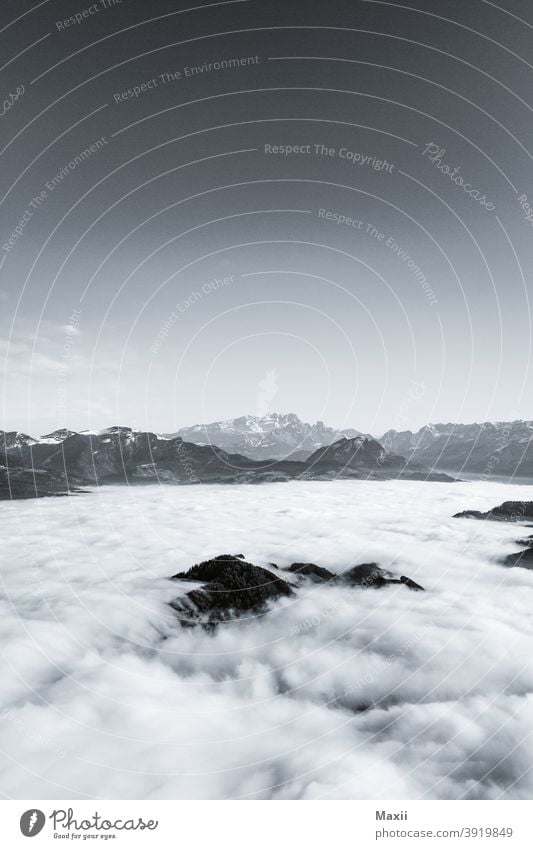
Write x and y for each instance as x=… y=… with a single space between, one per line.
x=272 y=437
x=490 y=449
x=253 y=449
x=487 y=449
x=65 y=461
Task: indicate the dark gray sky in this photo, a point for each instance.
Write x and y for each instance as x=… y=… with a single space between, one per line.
x=186 y=269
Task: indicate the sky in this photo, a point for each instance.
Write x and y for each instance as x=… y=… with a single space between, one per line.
x=327 y=199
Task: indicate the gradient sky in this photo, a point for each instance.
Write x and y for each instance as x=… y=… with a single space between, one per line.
x=179 y=268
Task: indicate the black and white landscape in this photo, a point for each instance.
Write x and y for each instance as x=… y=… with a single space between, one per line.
x=266 y=382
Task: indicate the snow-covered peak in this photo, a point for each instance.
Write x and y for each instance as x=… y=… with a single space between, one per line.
x=57 y=436
x=15 y=439
x=272 y=436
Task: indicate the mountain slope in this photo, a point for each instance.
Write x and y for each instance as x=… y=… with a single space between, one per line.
x=19 y=481
x=362 y=452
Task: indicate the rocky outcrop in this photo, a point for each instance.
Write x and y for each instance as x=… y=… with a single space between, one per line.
x=509 y=511
x=231 y=587
x=310 y=570
x=410 y=583
x=520 y=558
x=372 y=576
x=366 y=575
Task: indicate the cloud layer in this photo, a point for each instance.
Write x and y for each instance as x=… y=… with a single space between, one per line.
x=337 y=693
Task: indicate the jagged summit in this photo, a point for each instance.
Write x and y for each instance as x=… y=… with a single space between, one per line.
x=14 y=438
x=272 y=436
x=57 y=435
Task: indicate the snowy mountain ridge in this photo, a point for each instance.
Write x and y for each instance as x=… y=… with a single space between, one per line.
x=273 y=436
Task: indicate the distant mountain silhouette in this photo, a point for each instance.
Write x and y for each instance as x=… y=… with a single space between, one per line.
x=275 y=436
x=489 y=449
x=67 y=460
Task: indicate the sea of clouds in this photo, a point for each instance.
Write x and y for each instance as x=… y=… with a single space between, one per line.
x=335 y=693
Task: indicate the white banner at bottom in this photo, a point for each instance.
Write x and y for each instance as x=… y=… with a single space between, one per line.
x=268 y=825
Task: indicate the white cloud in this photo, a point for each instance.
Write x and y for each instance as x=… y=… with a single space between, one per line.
x=129 y=705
